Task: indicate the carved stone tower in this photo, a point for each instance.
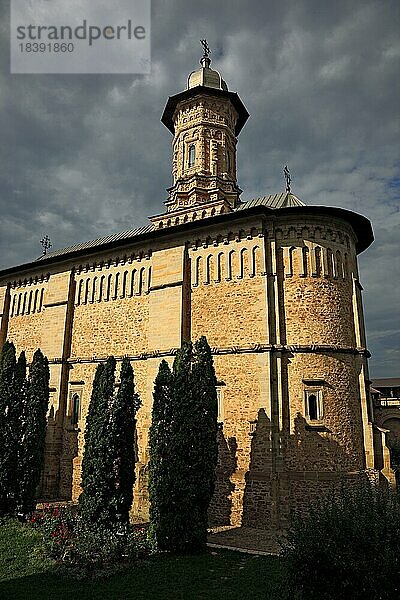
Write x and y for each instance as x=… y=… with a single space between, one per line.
x=205 y=120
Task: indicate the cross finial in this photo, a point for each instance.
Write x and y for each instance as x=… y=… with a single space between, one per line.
x=205 y=59
x=288 y=178
x=46 y=244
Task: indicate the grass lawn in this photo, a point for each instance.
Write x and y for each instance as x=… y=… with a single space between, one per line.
x=26 y=574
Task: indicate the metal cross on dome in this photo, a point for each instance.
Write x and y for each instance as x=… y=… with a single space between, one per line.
x=46 y=244
x=206 y=48
x=288 y=178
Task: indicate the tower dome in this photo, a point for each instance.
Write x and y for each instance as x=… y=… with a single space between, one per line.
x=206 y=77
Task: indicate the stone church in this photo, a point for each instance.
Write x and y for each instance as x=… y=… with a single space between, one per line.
x=271 y=282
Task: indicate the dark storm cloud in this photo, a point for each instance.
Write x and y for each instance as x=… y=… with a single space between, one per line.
x=82 y=156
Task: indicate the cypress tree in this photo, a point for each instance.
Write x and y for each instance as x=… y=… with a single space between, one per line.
x=204 y=433
x=8 y=450
x=33 y=429
x=16 y=427
x=97 y=476
x=183 y=450
x=122 y=443
x=160 y=467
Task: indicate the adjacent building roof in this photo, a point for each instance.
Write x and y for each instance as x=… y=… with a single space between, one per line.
x=388 y=382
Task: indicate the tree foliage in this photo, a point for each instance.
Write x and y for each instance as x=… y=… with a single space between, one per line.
x=34 y=401
x=160 y=479
x=123 y=440
x=108 y=466
x=23 y=409
x=8 y=450
x=346 y=545
x=183 y=449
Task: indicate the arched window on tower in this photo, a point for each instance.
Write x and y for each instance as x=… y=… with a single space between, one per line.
x=191 y=155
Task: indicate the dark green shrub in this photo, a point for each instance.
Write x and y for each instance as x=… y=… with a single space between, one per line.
x=57 y=524
x=347 y=546
x=23 y=423
x=183 y=450
x=121 y=443
x=160 y=467
x=108 y=466
x=33 y=430
x=8 y=447
x=97 y=478
x=87 y=549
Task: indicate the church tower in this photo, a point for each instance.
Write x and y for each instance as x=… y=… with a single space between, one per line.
x=205 y=121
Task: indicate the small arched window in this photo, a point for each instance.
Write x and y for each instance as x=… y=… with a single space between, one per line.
x=75 y=409
x=313 y=401
x=191 y=155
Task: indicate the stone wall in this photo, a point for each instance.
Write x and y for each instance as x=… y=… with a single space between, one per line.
x=279 y=302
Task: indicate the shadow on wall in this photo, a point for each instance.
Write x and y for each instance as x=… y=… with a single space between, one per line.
x=288 y=472
x=69 y=452
x=220 y=510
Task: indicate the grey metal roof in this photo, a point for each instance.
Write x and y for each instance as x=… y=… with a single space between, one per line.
x=283 y=200
x=115 y=237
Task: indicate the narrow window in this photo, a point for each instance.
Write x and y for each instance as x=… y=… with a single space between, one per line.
x=192 y=155
x=329 y=261
x=13 y=305
x=208 y=269
x=30 y=302
x=318 y=263
x=24 y=304
x=124 y=283
x=86 y=297
x=292 y=251
x=94 y=286
x=75 y=409
x=133 y=282
x=101 y=288
x=78 y=295
x=197 y=271
x=345 y=266
x=229 y=274
x=116 y=286
x=243 y=263
x=305 y=260
x=219 y=267
x=254 y=261
x=149 y=280
x=313 y=405
x=35 y=301
x=141 y=280
x=41 y=299
x=108 y=290
x=339 y=264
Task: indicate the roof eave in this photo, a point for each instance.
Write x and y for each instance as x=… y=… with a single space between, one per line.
x=360 y=224
x=173 y=101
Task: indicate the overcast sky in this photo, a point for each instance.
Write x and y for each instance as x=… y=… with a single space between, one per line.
x=86 y=155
